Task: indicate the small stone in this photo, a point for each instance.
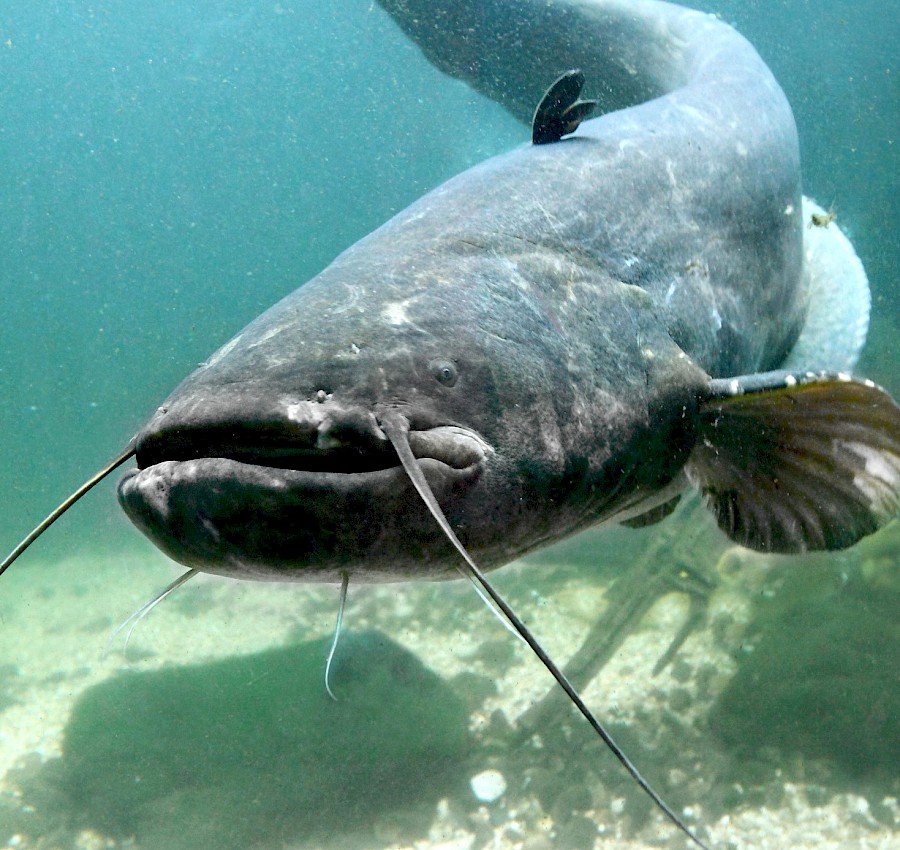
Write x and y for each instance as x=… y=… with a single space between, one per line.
x=577 y=833
x=680 y=699
x=574 y=798
x=817 y=795
x=537 y=842
x=488 y=786
x=681 y=671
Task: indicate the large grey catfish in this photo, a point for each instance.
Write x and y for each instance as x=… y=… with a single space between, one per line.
x=546 y=327
x=571 y=333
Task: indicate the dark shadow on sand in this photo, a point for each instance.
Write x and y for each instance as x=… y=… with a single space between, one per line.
x=251 y=751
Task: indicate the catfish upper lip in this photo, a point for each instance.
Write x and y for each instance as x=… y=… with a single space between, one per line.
x=262 y=445
x=283 y=448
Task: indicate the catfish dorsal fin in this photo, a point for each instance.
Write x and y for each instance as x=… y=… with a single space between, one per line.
x=560 y=111
x=790 y=462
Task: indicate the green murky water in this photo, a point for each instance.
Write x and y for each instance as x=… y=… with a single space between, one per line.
x=172 y=169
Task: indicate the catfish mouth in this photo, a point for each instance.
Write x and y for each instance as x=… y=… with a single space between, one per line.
x=300 y=500
x=330 y=447
x=253 y=447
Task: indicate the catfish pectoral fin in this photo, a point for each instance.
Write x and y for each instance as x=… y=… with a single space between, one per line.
x=654 y=515
x=790 y=462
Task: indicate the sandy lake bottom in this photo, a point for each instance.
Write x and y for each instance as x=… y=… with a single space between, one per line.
x=213 y=729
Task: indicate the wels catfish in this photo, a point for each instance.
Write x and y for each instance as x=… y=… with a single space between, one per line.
x=572 y=333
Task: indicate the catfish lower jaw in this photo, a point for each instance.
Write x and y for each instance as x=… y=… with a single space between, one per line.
x=276 y=522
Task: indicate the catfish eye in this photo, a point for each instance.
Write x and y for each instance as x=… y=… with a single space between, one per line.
x=444 y=372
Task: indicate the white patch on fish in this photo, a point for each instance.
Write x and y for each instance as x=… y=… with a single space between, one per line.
x=395 y=313
x=880 y=480
x=224 y=350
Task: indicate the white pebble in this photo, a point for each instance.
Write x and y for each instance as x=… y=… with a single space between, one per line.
x=489 y=785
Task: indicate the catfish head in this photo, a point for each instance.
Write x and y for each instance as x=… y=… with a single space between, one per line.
x=271 y=461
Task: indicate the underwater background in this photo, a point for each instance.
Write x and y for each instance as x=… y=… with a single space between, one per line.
x=172 y=169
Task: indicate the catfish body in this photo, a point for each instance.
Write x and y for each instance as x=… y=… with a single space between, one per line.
x=549 y=325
